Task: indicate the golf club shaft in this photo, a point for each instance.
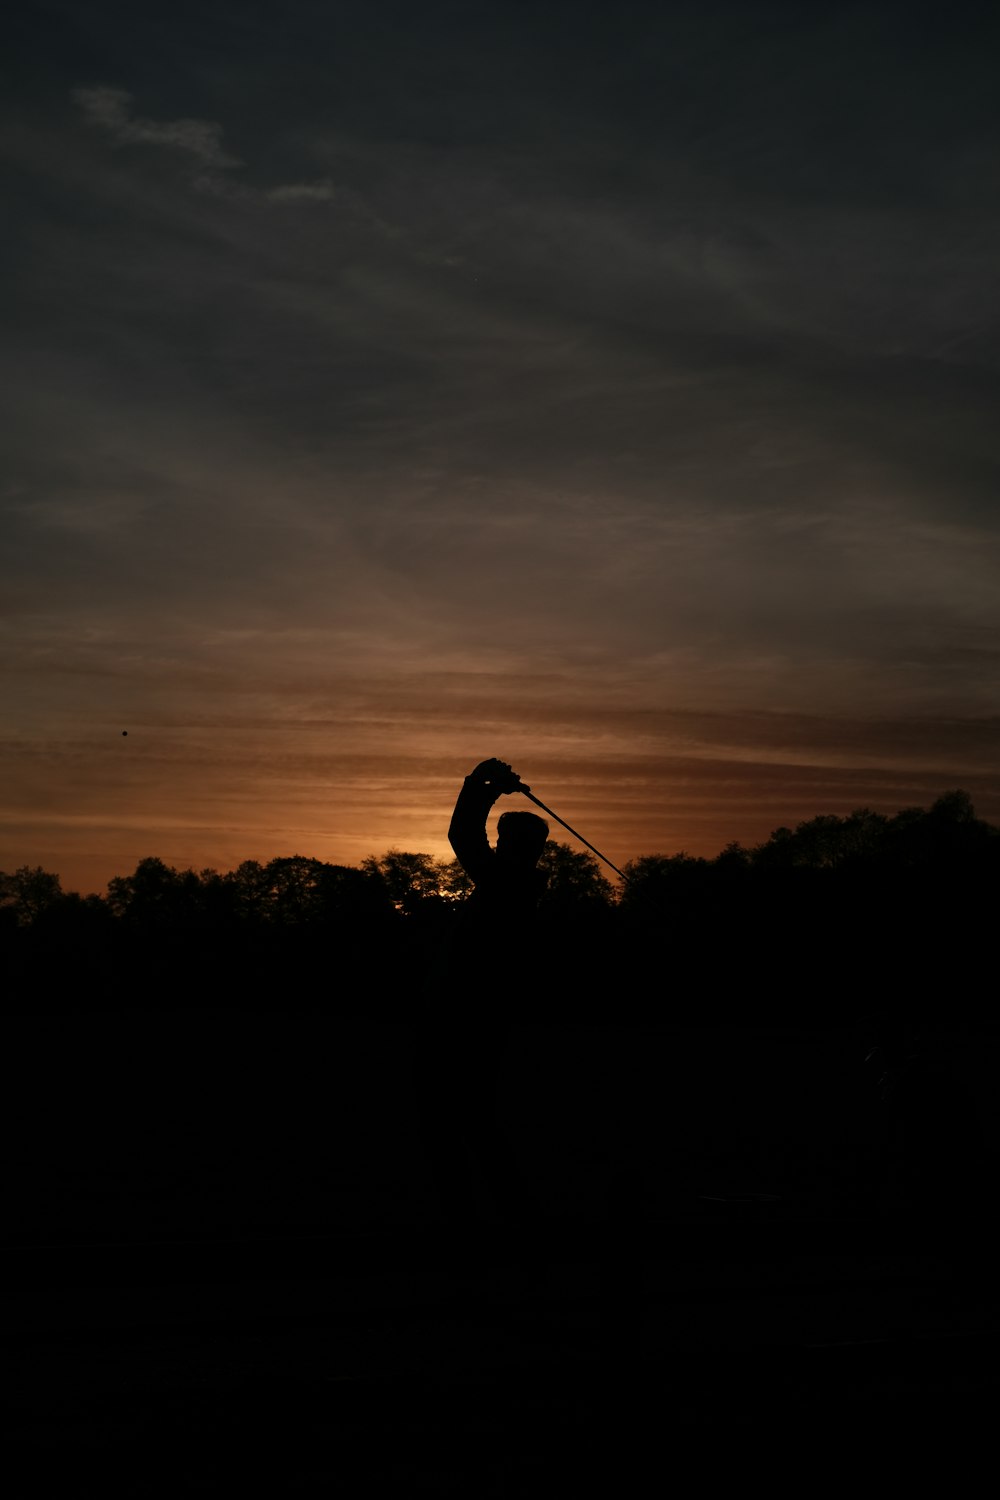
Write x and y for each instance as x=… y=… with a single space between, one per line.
x=532 y=798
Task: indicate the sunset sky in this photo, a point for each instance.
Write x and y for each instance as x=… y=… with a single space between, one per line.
x=612 y=388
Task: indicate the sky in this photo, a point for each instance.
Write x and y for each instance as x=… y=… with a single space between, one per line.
x=612 y=389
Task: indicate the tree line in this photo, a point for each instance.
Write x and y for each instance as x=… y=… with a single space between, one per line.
x=945 y=842
x=866 y=898
x=293 y=891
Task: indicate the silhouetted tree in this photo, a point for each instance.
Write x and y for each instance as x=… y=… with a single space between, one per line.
x=732 y=860
x=407 y=879
x=292 y=890
x=249 y=887
x=912 y=838
x=156 y=897
x=956 y=838
x=656 y=884
x=75 y=915
x=454 y=882
x=574 y=881
x=954 y=807
x=295 y=890
x=28 y=892
x=824 y=842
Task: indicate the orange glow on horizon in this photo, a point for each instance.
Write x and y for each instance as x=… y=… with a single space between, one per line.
x=696 y=806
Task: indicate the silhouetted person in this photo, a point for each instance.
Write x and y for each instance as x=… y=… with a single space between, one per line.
x=507 y=881
x=486 y=977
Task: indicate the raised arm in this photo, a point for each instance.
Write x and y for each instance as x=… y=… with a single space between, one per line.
x=467 y=832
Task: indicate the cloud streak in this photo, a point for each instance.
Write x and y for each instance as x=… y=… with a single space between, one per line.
x=111 y=110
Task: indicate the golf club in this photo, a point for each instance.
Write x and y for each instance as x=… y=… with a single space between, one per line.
x=527 y=792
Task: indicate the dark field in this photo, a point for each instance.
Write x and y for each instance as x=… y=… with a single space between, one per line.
x=228 y=1259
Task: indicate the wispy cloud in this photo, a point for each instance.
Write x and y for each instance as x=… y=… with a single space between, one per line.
x=111 y=109
x=303 y=192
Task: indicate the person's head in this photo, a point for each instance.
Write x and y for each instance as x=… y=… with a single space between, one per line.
x=521 y=837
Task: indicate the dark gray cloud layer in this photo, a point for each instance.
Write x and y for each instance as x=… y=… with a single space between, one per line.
x=651 y=346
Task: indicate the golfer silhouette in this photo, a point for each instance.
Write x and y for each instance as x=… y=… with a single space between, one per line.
x=507 y=881
x=484 y=979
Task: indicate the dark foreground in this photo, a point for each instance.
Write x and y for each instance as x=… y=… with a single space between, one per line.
x=227 y=1264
